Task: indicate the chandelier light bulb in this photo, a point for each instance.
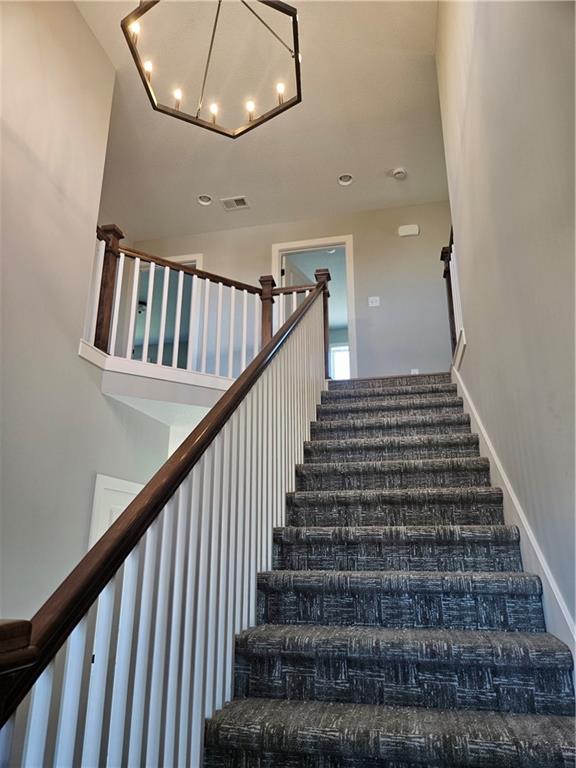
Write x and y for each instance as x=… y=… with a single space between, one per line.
x=135 y=30
x=250 y=108
x=214 y=111
x=178 y=97
x=280 y=89
x=148 y=69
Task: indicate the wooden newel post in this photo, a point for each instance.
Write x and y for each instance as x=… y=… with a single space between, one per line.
x=268 y=284
x=113 y=236
x=323 y=276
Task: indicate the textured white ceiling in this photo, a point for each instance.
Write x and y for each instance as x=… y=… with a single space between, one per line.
x=370 y=103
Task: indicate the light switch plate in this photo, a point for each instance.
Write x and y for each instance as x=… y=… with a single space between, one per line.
x=373 y=301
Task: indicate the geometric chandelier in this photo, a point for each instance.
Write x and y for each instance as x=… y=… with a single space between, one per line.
x=242 y=112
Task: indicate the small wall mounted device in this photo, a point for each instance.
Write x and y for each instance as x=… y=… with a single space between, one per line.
x=409 y=230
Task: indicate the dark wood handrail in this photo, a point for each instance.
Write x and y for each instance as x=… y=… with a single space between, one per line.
x=143 y=256
x=446 y=257
x=56 y=619
x=293 y=289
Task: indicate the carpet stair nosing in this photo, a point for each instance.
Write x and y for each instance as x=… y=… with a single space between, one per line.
x=337 y=395
x=432 y=738
x=448 y=445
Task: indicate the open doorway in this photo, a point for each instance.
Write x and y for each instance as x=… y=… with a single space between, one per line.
x=295 y=264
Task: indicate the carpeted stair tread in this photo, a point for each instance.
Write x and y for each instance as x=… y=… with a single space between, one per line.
x=378 y=406
x=420 y=424
x=480 y=505
x=503 y=534
x=311 y=734
x=381 y=382
x=500 y=671
x=395 y=582
x=345 y=395
x=397 y=447
x=456 y=600
x=416 y=473
x=450 y=669
x=537 y=650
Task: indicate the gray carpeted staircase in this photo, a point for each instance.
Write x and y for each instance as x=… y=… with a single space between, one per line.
x=397 y=628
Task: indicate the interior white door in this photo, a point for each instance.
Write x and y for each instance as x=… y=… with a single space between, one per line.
x=111 y=497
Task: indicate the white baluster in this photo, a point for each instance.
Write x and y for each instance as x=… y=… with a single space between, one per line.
x=163 y=310
x=124 y=644
x=214 y=579
x=116 y=304
x=38 y=716
x=243 y=532
x=231 y=332
x=226 y=567
x=98 y=675
x=133 y=308
x=234 y=585
x=177 y=319
x=160 y=628
x=194 y=320
x=205 y=325
x=143 y=644
x=218 y=330
x=178 y=607
x=199 y=688
x=244 y=327
x=251 y=483
x=148 y=316
x=257 y=323
x=192 y=577
x=6 y=733
x=70 y=701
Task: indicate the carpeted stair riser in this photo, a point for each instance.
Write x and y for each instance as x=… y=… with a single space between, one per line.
x=375 y=475
x=499 y=671
x=390 y=381
x=437 y=424
x=387 y=407
x=345 y=395
x=391 y=448
x=402 y=599
x=263 y=733
x=414 y=548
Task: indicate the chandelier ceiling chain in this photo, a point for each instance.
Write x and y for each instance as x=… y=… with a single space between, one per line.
x=287 y=95
x=201 y=99
x=268 y=27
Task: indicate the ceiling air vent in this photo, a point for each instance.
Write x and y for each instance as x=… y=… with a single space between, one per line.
x=234 y=203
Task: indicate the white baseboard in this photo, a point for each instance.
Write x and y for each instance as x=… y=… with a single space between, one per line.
x=558 y=619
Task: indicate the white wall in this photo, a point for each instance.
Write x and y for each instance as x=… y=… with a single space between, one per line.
x=506 y=79
x=58 y=430
x=409 y=329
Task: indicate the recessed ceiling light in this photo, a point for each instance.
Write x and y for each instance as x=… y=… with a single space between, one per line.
x=204 y=199
x=345 y=179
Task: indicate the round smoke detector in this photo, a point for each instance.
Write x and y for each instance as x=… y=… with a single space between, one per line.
x=345 y=179
x=204 y=199
x=399 y=173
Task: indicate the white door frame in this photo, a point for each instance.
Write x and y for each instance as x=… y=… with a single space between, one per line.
x=111 y=497
x=198 y=258
x=347 y=241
